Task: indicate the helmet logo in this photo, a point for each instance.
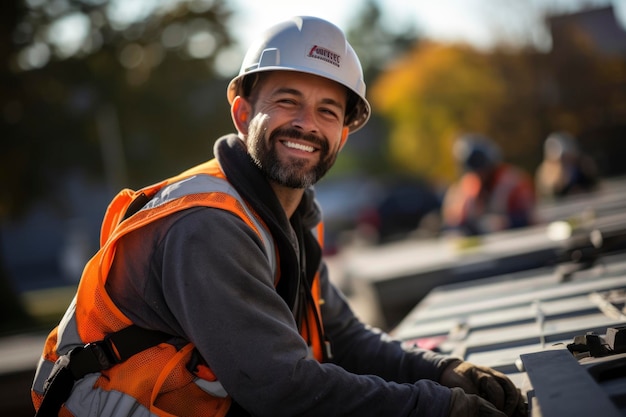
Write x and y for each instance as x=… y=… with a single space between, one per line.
x=325 y=55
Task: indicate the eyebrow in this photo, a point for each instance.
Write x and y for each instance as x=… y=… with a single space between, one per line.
x=295 y=92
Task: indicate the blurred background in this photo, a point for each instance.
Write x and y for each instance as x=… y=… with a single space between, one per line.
x=98 y=95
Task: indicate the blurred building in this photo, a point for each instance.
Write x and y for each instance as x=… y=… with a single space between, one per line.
x=585 y=88
x=599 y=26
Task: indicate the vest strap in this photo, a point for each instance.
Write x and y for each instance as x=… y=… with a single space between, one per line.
x=94 y=357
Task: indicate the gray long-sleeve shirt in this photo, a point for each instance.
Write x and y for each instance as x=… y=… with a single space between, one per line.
x=202 y=274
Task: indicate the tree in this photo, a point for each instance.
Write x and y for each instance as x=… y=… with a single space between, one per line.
x=129 y=100
x=431 y=95
x=515 y=96
x=12 y=307
x=588 y=79
x=153 y=76
x=376 y=44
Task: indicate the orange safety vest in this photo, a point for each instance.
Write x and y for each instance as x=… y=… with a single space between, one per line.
x=511 y=192
x=156 y=378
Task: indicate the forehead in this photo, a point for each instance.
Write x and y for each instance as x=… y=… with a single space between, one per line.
x=304 y=83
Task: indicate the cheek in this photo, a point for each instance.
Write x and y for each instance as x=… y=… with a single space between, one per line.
x=338 y=142
x=258 y=125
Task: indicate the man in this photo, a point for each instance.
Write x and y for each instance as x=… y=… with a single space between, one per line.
x=209 y=294
x=565 y=169
x=491 y=195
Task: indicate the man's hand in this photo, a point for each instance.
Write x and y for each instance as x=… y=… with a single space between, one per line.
x=489 y=384
x=470 y=405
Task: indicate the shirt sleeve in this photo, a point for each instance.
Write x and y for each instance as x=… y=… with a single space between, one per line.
x=363 y=349
x=217 y=287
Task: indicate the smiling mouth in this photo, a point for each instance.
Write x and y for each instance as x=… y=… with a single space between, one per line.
x=299 y=146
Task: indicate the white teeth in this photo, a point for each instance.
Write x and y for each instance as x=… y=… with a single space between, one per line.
x=299 y=146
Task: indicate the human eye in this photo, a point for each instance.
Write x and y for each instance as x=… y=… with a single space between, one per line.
x=286 y=100
x=286 y=96
x=330 y=112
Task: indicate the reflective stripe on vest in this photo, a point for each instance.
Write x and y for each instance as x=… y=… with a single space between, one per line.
x=202 y=183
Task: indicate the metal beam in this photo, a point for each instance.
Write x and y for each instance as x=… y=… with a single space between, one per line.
x=563 y=387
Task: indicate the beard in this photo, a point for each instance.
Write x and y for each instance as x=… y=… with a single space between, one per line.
x=293 y=173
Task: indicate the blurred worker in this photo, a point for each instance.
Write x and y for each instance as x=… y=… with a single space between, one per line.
x=564 y=169
x=491 y=195
x=209 y=295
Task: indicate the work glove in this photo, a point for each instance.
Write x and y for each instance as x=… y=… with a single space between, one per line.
x=488 y=383
x=470 y=405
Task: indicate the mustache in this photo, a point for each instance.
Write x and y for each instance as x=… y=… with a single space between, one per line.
x=290 y=132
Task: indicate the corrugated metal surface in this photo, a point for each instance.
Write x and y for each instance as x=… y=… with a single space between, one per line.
x=400 y=275
x=500 y=320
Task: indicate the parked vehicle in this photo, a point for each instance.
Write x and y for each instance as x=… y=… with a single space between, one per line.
x=342 y=201
x=406 y=206
x=363 y=210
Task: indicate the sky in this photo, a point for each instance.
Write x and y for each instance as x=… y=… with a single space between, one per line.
x=481 y=23
x=478 y=22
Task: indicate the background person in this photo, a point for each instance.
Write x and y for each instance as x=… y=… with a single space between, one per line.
x=491 y=195
x=564 y=169
x=210 y=293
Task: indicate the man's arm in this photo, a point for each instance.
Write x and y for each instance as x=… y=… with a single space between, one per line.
x=219 y=286
x=366 y=350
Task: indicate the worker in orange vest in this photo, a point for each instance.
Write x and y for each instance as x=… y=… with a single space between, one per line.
x=491 y=195
x=209 y=295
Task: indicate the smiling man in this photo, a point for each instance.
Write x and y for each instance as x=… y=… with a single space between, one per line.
x=209 y=295
x=297 y=129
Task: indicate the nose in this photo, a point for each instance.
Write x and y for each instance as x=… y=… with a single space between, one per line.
x=304 y=119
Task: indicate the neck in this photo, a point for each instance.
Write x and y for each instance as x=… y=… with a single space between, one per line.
x=289 y=198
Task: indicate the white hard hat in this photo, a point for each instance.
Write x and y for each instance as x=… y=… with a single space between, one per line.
x=310 y=45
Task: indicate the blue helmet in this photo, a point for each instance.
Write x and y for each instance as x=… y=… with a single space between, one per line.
x=475 y=152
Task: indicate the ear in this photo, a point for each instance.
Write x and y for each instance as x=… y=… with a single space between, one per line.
x=344 y=136
x=240 y=112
